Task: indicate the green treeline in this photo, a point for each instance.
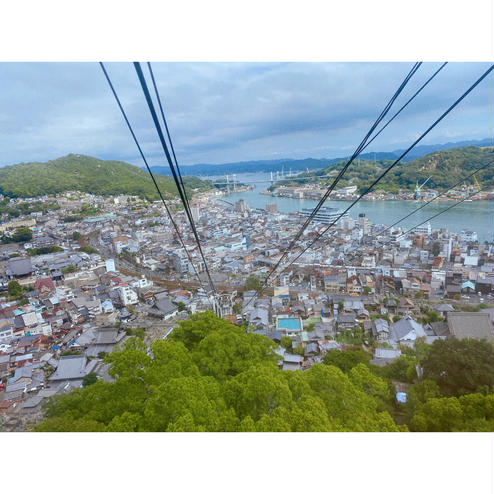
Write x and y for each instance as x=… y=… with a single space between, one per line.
x=210 y=375
x=445 y=167
x=25 y=208
x=87 y=174
x=21 y=234
x=39 y=251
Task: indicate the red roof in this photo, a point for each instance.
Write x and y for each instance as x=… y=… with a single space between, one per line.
x=44 y=282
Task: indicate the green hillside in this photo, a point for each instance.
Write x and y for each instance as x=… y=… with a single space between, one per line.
x=445 y=167
x=87 y=174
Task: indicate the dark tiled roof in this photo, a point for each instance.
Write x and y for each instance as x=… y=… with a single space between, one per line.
x=20 y=267
x=475 y=325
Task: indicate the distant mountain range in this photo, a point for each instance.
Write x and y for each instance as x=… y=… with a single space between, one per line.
x=311 y=163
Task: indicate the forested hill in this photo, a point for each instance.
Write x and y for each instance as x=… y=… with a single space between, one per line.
x=444 y=167
x=87 y=174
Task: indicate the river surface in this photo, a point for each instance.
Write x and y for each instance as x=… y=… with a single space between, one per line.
x=476 y=215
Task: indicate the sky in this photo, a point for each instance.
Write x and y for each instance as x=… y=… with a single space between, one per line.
x=228 y=112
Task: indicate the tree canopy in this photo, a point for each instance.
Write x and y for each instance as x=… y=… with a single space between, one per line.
x=460 y=366
x=252 y=283
x=210 y=375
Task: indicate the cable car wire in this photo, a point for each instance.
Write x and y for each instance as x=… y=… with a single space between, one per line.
x=157 y=125
x=149 y=170
x=381 y=176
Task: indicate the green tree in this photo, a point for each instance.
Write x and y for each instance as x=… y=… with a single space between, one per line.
x=228 y=352
x=131 y=361
x=469 y=413
x=76 y=236
x=184 y=404
x=22 y=234
x=401 y=369
x=69 y=424
x=346 y=360
x=418 y=394
x=460 y=366
x=69 y=269
x=14 y=289
x=191 y=331
x=286 y=342
x=44 y=250
x=212 y=376
x=346 y=401
x=171 y=360
x=88 y=250
x=257 y=391
x=91 y=378
x=252 y=283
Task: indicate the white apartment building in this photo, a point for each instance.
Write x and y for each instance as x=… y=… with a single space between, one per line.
x=142 y=283
x=423 y=229
x=127 y=295
x=468 y=236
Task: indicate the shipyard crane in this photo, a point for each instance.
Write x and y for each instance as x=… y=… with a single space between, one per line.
x=477 y=182
x=416 y=194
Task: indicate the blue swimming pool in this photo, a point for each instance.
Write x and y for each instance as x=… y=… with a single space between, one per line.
x=291 y=323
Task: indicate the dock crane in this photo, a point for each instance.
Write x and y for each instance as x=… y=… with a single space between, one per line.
x=476 y=182
x=416 y=194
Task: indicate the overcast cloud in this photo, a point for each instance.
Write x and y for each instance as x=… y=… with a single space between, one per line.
x=224 y=112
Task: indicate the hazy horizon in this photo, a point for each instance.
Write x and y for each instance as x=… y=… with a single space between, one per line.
x=232 y=112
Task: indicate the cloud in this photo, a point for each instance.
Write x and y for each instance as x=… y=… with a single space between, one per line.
x=221 y=112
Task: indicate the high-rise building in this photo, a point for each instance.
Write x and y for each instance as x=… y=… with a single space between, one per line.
x=324 y=215
x=365 y=224
x=196 y=213
x=241 y=206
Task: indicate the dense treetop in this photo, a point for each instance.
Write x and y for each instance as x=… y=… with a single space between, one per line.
x=86 y=174
x=210 y=375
